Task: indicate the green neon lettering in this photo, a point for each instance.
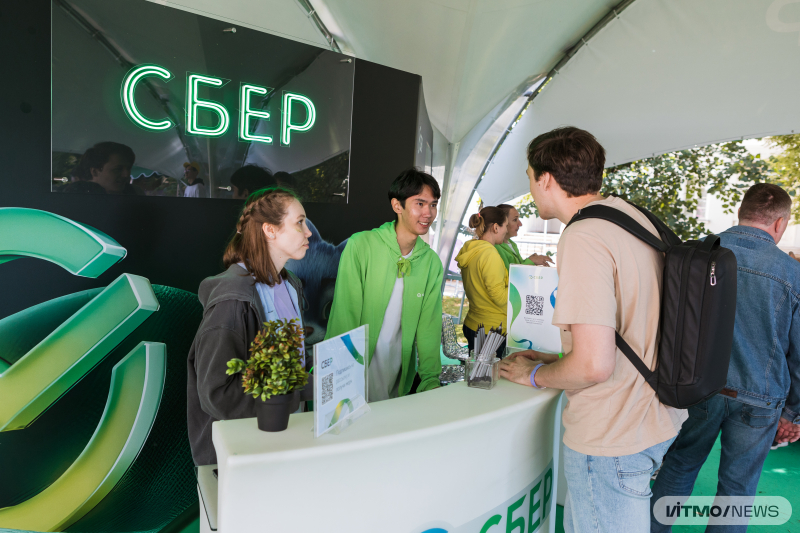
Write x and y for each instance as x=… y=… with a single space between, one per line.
x=193 y=103
x=78 y=249
x=287 y=126
x=127 y=93
x=137 y=383
x=246 y=113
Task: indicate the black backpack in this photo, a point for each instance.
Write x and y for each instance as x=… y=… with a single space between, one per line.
x=698 y=309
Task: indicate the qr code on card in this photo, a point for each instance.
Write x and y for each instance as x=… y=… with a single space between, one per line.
x=534 y=305
x=327 y=388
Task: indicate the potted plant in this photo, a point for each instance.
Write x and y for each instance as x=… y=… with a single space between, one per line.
x=274 y=373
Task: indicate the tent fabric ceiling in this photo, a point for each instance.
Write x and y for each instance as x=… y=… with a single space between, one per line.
x=471 y=54
x=667 y=75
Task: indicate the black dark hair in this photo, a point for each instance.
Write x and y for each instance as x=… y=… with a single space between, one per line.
x=410 y=183
x=284 y=179
x=98 y=155
x=252 y=178
x=572 y=156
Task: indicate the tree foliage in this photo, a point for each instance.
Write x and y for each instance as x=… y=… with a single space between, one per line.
x=786 y=168
x=672 y=185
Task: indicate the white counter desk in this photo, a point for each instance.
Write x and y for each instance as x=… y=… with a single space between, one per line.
x=454 y=459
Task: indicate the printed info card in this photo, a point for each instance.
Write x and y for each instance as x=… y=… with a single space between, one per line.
x=340 y=381
x=531 y=302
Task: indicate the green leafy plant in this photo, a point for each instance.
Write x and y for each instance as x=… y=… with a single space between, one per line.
x=275 y=365
x=786 y=168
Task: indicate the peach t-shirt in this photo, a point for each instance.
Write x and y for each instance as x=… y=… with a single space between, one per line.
x=610 y=278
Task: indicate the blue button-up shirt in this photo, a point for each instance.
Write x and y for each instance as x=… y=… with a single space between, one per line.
x=765 y=360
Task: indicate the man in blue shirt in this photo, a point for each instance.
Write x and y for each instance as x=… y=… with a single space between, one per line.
x=761 y=400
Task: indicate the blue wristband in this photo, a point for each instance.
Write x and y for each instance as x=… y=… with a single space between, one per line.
x=533 y=373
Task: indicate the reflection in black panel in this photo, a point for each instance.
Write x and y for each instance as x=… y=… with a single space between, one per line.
x=155 y=101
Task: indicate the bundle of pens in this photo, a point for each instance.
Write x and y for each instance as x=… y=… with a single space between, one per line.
x=483 y=371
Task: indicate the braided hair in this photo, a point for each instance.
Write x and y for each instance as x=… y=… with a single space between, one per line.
x=249 y=244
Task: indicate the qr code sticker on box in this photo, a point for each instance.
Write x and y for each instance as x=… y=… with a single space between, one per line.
x=534 y=305
x=327 y=388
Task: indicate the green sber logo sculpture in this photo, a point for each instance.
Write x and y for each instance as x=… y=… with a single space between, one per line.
x=29 y=386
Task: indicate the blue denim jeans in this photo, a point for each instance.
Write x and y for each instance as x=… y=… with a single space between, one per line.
x=610 y=494
x=747 y=433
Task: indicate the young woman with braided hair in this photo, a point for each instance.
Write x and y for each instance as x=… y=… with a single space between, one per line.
x=254 y=289
x=484 y=274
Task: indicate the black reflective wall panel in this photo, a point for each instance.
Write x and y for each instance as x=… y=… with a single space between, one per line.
x=173 y=242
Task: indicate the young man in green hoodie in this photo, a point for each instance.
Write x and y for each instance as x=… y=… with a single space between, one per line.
x=390 y=279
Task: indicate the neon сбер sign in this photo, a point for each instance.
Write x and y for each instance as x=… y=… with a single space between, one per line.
x=290 y=101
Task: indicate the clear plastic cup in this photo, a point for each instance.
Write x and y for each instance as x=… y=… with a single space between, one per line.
x=480 y=374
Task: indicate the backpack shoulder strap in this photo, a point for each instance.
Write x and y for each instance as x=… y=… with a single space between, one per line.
x=636 y=361
x=667 y=235
x=615 y=216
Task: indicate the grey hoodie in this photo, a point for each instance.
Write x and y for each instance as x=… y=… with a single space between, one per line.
x=232 y=315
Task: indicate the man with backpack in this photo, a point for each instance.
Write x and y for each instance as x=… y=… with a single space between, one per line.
x=616 y=428
x=762 y=394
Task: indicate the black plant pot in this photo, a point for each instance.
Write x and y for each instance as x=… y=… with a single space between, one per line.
x=295 y=394
x=273 y=414
x=307 y=393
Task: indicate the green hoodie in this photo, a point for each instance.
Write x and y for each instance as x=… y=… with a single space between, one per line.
x=510 y=255
x=367 y=273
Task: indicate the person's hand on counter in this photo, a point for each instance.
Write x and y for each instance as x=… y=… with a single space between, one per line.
x=592 y=360
x=540 y=260
x=517 y=368
x=534 y=355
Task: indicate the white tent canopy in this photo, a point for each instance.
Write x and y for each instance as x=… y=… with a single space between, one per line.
x=667 y=75
x=659 y=76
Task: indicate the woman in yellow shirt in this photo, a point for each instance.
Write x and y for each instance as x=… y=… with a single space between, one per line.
x=484 y=274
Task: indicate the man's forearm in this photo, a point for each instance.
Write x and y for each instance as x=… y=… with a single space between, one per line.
x=591 y=361
x=563 y=374
x=430 y=369
x=548 y=358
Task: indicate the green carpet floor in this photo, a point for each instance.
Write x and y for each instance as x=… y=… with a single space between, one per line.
x=779 y=477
